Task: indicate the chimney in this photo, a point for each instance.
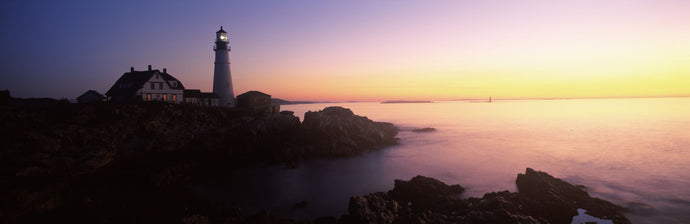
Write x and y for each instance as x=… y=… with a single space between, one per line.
x=149 y=67
x=131 y=69
x=165 y=71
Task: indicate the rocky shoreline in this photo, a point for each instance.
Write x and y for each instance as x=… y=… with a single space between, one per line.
x=136 y=163
x=127 y=163
x=541 y=198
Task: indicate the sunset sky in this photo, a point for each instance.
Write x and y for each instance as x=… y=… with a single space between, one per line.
x=355 y=50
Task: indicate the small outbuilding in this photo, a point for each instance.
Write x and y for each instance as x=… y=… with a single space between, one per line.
x=91 y=96
x=257 y=101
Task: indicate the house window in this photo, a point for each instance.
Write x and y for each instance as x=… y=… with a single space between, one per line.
x=148 y=97
x=153 y=85
x=165 y=97
x=160 y=85
x=174 y=97
x=173 y=83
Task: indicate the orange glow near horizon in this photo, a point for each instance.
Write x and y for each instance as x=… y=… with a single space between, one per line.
x=609 y=74
x=546 y=51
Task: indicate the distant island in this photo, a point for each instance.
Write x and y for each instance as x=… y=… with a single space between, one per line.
x=286 y=102
x=407 y=101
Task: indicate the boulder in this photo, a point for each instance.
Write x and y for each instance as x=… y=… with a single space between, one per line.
x=425 y=192
x=337 y=131
x=558 y=201
x=372 y=208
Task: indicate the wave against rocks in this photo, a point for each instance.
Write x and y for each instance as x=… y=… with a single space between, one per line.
x=541 y=198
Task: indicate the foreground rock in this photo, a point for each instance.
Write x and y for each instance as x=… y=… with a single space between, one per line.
x=555 y=199
x=541 y=199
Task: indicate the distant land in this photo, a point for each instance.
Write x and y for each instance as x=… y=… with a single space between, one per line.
x=286 y=102
x=407 y=101
x=573 y=98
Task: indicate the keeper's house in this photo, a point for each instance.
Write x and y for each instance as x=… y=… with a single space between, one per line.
x=154 y=85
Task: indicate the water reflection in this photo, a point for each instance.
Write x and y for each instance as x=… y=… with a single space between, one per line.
x=630 y=151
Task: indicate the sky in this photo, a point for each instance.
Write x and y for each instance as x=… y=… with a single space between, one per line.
x=357 y=49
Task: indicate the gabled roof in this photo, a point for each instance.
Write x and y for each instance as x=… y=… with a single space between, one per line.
x=130 y=82
x=253 y=92
x=167 y=77
x=92 y=92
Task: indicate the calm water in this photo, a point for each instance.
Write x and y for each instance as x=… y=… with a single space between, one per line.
x=633 y=152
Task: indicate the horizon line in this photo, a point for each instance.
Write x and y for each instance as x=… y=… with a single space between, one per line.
x=492 y=98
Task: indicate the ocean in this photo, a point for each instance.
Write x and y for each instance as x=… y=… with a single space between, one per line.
x=633 y=152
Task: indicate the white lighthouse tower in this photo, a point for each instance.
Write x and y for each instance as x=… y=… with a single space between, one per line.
x=222 y=81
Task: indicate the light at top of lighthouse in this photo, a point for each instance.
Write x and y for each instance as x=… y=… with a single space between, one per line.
x=221 y=35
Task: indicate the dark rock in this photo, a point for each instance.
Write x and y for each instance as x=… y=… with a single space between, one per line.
x=424 y=192
x=195 y=219
x=286 y=122
x=127 y=163
x=558 y=201
x=372 y=208
x=336 y=131
x=287 y=112
x=541 y=199
x=424 y=130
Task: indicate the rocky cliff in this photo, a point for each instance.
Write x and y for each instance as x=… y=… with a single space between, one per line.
x=132 y=162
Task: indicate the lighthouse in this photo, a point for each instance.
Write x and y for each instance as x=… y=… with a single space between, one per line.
x=222 y=81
